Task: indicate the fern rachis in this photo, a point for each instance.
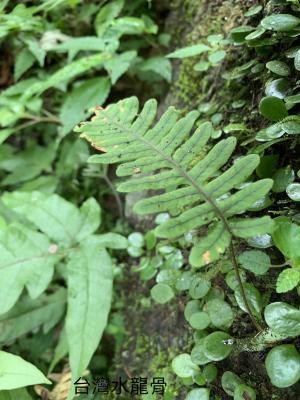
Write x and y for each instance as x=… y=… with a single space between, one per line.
x=196 y=192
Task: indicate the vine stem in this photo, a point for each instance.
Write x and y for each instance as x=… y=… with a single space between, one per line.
x=202 y=192
x=241 y=286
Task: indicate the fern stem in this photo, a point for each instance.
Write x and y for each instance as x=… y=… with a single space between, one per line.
x=241 y=286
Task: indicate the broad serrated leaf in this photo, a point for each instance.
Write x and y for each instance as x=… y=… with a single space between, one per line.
x=14 y=366
x=118 y=64
x=90 y=213
x=59 y=219
x=27 y=260
x=106 y=15
x=28 y=315
x=28 y=164
x=24 y=60
x=89 y=299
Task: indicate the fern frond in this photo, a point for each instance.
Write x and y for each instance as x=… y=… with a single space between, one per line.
x=167 y=155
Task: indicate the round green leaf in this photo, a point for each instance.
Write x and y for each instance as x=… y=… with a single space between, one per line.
x=283 y=365
x=197 y=354
x=183 y=366
x=210 y=372
x=278 y=88
x=199 y=287
x=255 y=261
x=230 y=381
x=283 y=318
x=167 y=276
x=162 y=293
x=278 y=67
x=214 y=347
x=293 y=191
x=215 y=292
x=280 y=22
x=199 y=320
x=198 y=394
x=243 y=392
x=183 y=282
x=135 y=251
x=220 y=313
x=191 y=307
x=136 y=239
x=287 y=280
x=273 y=108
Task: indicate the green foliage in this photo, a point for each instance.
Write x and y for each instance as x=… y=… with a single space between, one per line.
x=27 y=373
x=199 y=197
x=283 y=318
x=56 y=232
x=62 y=60
x=183 y=366
x=255 y=261
x=230 y=382
x=199 y=394
x=243 y=391
x=217 y=346
x=283 y=365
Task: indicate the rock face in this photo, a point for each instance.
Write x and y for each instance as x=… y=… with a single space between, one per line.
x=155 y=334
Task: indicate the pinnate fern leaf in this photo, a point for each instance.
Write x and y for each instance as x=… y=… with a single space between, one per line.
x=170 y=155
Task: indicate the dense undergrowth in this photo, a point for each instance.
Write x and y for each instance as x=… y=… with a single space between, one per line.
x=222 y=183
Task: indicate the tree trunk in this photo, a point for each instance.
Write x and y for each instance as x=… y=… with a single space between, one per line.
x=154 y=333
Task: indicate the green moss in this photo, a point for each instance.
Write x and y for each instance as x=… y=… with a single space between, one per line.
x=191 y=87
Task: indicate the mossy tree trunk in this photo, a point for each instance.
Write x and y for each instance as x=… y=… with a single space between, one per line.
x=154 y=334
